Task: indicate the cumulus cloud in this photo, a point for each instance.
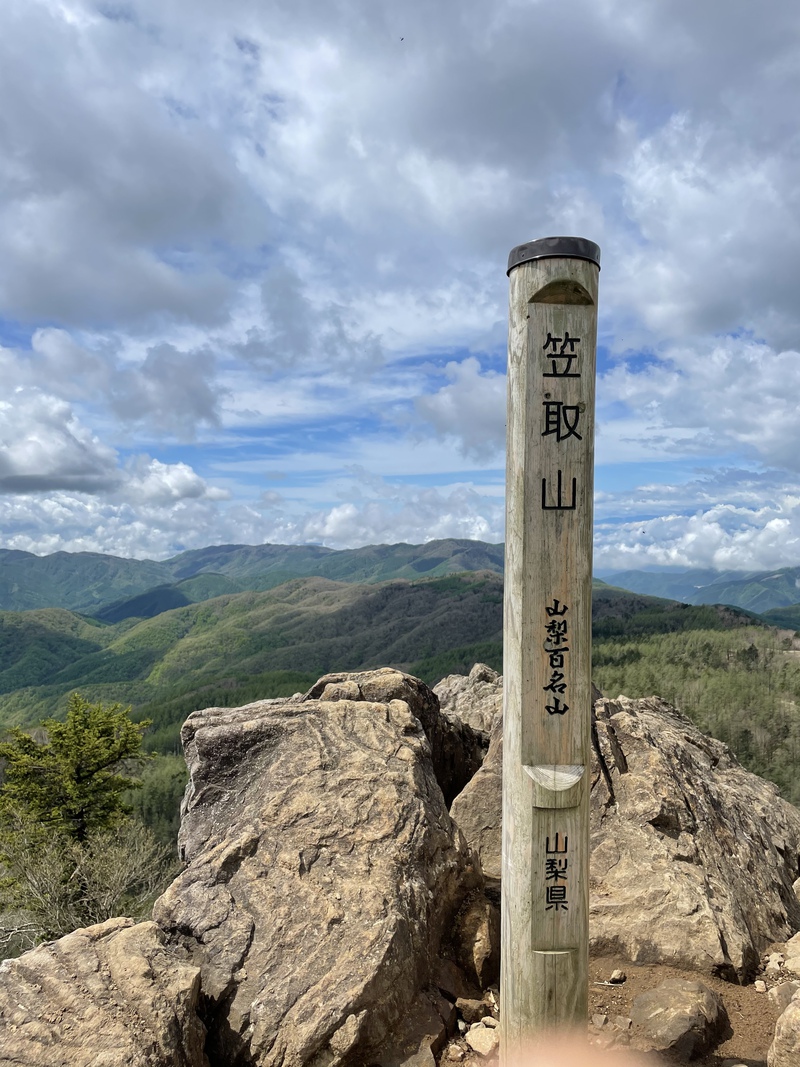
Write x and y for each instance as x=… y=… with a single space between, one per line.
x=44 y=447
x=150 y=482
x=48 y=457
x=266 y=215
x=471 y=408
x=732 y=394
x=722 y=537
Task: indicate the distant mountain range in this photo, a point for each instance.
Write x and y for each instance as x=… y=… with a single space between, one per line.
x=112 y=588
x=241 y=646
x=230 y=623
x=758 y=591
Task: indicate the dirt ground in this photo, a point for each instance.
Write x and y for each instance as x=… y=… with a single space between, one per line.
x=751 y=1014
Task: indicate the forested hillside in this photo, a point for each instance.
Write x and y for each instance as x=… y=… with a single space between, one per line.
x=244 y=646
x=114 y=588
x=759 y=591
x=741 y=686
x=736 y=677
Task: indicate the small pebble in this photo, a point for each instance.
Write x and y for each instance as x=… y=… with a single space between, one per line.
x=489 y=1020
x=599 y=1021
x=623 y=1022
x=618 y=977
x=760 y=987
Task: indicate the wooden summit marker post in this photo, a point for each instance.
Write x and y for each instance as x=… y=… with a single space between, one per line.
x=547 y=637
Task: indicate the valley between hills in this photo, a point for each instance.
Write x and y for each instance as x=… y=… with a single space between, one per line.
x=234 y=623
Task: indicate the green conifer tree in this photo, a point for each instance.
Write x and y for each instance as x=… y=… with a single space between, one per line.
x=73 y=784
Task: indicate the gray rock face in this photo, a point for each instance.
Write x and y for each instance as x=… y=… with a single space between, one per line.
x=457 y=748
x=478 y=808
x=475 y=699
x=679 y=1016
x=323 y=870
x=785 y=1048
x=104 y=996
x=693 y=858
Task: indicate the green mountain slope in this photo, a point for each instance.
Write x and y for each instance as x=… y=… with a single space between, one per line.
x=35 y=646
x=787 y=618
x=93 y=583
x=79 y=581
x=673 y=583
x=243 y=646
x=166 y=597
x=304 y=627
x=266 y=566
x=758 y=591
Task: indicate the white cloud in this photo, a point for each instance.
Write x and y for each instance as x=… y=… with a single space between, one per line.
x=713 y=396
x=267 y=227
x=150 y=482
x=470 y=409
x=723 y=537
x=151 y=520
x=411 y=516
x=44 y=447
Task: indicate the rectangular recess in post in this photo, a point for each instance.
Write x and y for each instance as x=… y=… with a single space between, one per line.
x=559 y=482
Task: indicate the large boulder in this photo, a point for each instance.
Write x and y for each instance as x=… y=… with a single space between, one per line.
x=323 y=872
x=457 y=747
x=693 y=858
x=103 y=996
x=478 y=808
x=475 y=699
x=679 y=1016
x=785 y=1048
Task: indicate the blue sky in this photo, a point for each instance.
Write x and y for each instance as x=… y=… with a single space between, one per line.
x=252 y=268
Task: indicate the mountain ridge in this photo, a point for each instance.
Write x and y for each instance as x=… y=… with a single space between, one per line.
x=114 y=587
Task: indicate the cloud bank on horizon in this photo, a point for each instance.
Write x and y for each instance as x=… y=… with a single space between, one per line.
x=252 y=268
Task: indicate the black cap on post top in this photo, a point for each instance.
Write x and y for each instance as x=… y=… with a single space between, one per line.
x=554 y=248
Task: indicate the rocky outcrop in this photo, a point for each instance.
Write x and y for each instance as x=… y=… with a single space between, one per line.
x=693 y=858
x=682 y=1017
x=457 y=748
x=475 y=699
x=478 y=808
x=323 y=871
x=785 y=1048
x=104 y=996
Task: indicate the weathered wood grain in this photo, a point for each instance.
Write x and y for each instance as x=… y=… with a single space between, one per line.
x=549 y=494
